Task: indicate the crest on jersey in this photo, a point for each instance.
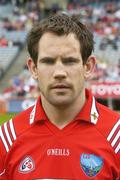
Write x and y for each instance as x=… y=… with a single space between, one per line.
x=27 y=165
x=91 y=164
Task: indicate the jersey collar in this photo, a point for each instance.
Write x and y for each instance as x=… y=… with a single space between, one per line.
x=88 y=113
x=37 y=113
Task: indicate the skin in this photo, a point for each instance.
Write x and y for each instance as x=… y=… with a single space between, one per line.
x=61 y=76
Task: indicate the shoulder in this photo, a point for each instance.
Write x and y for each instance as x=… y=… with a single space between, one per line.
x=10 y=132
x=109 y=126
x=12 y=129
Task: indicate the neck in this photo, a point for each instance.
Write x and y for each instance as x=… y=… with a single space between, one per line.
x=61 y=116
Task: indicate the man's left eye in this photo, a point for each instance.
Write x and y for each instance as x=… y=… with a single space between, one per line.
x=70 y=61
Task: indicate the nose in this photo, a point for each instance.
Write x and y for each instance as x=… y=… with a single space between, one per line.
x=59 y=71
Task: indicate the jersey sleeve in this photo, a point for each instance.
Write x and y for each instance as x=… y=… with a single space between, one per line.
x=7 y=138
x=114 y=140
x=118 y=157
x=2 y=157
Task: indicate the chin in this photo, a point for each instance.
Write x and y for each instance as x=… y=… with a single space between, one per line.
x=60 y=102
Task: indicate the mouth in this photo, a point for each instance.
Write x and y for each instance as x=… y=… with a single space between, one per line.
x=60 y=86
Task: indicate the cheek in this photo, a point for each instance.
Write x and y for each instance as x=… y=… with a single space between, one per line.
x=78 y=75
x=43 y=80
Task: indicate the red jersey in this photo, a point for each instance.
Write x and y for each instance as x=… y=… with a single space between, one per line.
x=31 y=147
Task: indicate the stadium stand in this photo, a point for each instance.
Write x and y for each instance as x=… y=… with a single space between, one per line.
x=12 y=38
x=7 y=54
x=102 y=17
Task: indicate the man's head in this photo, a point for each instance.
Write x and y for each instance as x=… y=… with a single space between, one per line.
x=61 y=60
x=61 y=24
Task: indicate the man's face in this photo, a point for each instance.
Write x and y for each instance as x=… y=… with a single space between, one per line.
x=60 y=71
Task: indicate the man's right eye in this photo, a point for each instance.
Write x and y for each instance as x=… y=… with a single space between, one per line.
x=47 y=60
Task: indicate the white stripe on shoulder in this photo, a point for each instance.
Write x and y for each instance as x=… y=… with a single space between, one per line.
x=117 y=148
x=3 y=140
x=94 y=113
x=114 y=137
x=12 y=129
x=7 y=134
x=113 y=130
x=2 y=172
x=32 y=114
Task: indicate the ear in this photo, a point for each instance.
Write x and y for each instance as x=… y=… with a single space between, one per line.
x=32 y=68
x=89 y=67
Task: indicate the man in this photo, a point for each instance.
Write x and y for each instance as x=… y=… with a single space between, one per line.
x=67 y=134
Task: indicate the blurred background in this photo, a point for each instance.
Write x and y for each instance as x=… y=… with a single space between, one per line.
x=18 y=90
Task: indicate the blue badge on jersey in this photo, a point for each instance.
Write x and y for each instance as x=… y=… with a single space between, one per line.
x=91 y=164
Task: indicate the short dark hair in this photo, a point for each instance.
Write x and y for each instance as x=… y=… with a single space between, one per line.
x=61 y=24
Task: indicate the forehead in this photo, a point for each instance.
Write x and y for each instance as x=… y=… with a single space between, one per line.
x=53 y=44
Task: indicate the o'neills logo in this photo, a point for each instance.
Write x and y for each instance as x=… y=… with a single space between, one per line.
x=58 y=152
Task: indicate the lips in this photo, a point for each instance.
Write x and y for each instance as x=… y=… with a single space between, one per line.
x=60 y=86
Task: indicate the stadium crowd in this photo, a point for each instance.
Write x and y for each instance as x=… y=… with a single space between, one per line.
x=103 y=18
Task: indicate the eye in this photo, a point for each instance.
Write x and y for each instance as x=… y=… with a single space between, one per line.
x=47 y=60
x=70 y=61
